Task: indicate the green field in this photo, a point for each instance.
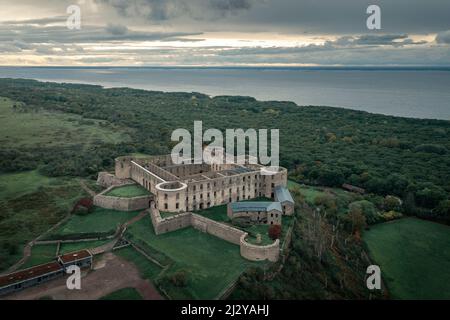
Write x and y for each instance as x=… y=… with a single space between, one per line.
x=414 y=257
x=40 y=254
x=123 y=294
x=211 y=263
x=29 y=205
x=128 y=191
x=217 y=213
x=147 y=269
x=100 y=220
x=50 y=129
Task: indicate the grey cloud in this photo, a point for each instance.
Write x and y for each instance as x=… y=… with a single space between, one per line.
x=30 y=34
x=116 y=29
x=443 y=37
x=41 y=21
x=160 y=10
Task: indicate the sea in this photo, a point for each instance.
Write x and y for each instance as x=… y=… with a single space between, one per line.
x=405 y=92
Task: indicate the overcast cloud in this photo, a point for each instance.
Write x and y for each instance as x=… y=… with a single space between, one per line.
x=225 y=32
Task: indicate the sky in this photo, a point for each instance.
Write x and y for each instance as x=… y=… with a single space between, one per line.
x=224 y=33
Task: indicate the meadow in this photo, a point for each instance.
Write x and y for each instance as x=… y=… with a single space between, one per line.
x=414 y=257
x=209 y=262
x=41 y=128
x=99 y=221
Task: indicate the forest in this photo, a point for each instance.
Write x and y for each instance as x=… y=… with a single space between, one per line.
x=323 y=146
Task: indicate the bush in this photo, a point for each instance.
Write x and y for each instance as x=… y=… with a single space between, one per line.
x=367 y=209
x=179 y=278
x=274 y=231
x=391 y=215
x=84 y=206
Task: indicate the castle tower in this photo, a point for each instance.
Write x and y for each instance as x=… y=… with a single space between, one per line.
x=123 y=167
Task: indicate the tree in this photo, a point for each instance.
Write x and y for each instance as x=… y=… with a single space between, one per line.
x=443 y=210
x=274 y=231
x=357 y=219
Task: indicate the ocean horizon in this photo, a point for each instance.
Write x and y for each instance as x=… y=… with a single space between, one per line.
x=414 y=92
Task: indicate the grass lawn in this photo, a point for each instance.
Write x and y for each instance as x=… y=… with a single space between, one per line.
x=29 y=205
x=128 y=191
x=414 y=257
x=211 y=263
x=148 y=269
x=71 y=247
x=123 y=294
x=50 y=129
x=100 y=220
x=40 y=254
x=217 y=213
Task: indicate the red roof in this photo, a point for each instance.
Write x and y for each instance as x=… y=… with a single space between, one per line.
x=75 y=256
x=29 y=273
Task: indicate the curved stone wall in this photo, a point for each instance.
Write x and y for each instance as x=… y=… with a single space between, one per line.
x=253 y=252
x=120 y=203
x=225 y=232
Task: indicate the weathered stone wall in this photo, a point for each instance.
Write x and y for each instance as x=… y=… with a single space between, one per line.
x=106 y=179
x=228 y=233
x=175 y=222
x=217 y=229
x=253 y=252
x=121 y=204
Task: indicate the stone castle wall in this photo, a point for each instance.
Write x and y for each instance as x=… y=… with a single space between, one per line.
x=217 y=229
x=121 y=204
x=106 y=180
x=230 y=234
x=253 y=252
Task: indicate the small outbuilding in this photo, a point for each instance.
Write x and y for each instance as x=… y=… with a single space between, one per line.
x=284 y=197
x=22 y=279
x=259 y=212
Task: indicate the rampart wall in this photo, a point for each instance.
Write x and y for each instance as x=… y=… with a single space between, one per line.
x=121 y=204
x=253 y=252
x=230 y=234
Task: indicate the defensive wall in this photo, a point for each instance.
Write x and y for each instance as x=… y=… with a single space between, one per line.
x=225 y=232
x=121 y=203
x=106 y=180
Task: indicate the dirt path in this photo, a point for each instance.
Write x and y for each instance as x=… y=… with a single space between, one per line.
x=111 y=273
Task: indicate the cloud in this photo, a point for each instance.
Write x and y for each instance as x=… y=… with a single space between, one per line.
x=59 y=34
x=160 y=10
x=116 y=29
x=443 y=37
x=40 y=21
x=377 y=40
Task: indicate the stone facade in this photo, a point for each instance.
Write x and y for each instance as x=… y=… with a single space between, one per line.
x=190 y=187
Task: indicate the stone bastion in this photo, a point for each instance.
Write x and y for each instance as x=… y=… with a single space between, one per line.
x=122 y=203
x=225 y=232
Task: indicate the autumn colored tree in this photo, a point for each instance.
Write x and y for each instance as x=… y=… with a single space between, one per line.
x=357 y=219
x=274 y=231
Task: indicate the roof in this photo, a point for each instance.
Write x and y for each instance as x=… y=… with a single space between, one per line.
x=75 y=256
x=255 y=206
x=29 y=273
x=282 y=194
